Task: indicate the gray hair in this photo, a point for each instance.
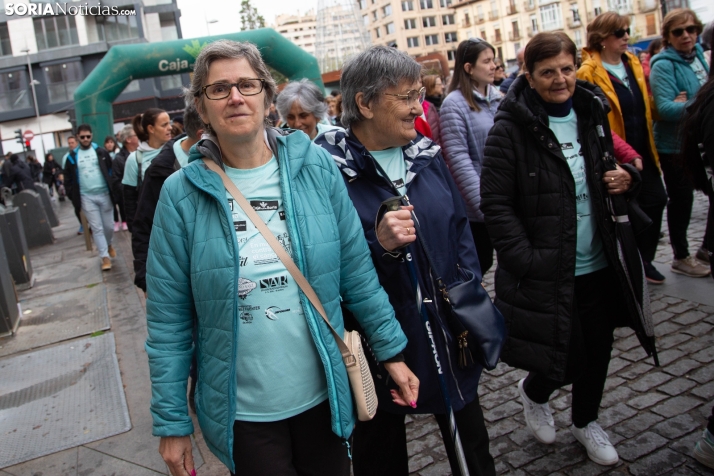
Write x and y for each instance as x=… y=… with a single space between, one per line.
x=227 y=49
x=192 y=122
x=125 y=133
x=371 y=72
x=307 y=94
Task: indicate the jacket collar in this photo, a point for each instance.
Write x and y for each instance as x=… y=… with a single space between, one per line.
x=354 y=160
x=671 y=54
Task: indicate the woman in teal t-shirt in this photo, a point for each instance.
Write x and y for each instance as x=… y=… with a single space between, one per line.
x=153 y=128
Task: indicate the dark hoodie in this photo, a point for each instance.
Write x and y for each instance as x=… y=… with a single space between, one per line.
x=18 y=173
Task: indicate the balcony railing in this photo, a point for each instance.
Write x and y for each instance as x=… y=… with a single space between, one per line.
x=529 y=6
x=573 y=23
x=493 y=15
x=514 y=35
x=497 y=40
x=647 y=5
x=512 y=9
x=480 y=19
x=465 y=23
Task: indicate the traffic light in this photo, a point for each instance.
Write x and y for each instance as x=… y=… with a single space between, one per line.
x=18 y=136
x=27 y=145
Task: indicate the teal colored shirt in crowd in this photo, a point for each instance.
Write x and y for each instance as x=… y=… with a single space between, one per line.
x=91 y=180
x=619 y=71
x=278 y=370
x=131 y=169
x=589 y=253
x=181 y=156
x=392 y=161
x=699 y=70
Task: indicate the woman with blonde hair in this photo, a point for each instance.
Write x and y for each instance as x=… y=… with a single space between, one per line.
x=678 y=72
x=608 y=64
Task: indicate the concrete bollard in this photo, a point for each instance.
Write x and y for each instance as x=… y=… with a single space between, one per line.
x=15 y=245
x=37 y=227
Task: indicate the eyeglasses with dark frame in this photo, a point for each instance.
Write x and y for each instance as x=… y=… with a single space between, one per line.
x=691 y=29
x=411 y=95
x=221 y=90
x=85 y=137
x=473 y=40
x=621 y=32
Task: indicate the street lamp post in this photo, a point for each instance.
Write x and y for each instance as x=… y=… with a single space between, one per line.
x=33 y=83
x=208 y=23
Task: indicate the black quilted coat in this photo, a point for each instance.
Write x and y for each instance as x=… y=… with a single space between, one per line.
x=528 y=200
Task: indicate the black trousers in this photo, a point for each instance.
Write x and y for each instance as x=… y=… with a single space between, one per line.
x=484 y=247
x=380 y=445
x=679 y=208
x=652 y=200
x=303 y=445
x=597 y=303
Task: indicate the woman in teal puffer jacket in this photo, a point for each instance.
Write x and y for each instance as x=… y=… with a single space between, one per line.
x=273 y=395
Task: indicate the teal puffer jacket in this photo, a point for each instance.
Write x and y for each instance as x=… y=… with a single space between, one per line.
x=192 y=279
x=670 y=75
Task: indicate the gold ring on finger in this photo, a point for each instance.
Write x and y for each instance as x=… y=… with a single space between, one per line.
x=612 y=179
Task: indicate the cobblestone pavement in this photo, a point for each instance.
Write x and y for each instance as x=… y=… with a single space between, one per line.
x=653 y=415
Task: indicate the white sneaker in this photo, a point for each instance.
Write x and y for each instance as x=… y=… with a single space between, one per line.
x=538 y=416
x=597 y=443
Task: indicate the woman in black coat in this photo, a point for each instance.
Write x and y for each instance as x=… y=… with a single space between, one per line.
x=559 y=282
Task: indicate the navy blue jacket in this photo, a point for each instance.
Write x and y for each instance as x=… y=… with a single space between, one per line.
x=442 y=215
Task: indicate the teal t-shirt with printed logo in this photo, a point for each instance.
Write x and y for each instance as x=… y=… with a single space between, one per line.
x=91 y=180
x=589 y=253
x=181 y=156
x=699 y=70
x=392 y=161
x=279 y=373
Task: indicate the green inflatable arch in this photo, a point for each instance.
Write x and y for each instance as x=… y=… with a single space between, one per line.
x=124 y=63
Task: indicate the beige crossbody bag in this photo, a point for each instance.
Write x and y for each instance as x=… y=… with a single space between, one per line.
x=363 y=390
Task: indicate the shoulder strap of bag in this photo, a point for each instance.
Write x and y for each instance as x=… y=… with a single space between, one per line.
x=283 y=255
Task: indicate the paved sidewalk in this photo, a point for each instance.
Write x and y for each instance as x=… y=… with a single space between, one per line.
x=654 y=416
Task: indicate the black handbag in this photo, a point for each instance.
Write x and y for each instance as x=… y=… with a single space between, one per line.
x=473 y=319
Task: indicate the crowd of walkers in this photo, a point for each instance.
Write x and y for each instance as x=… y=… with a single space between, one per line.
x=563 y=168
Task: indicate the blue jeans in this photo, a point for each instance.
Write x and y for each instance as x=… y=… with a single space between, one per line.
x=100 y=215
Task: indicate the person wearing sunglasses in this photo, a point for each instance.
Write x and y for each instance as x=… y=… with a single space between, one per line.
x=272 y=395
x=153 y=129
x=500 y=74
x=677 y=73
x=91 y=186
x=381 y=155
x=607 y=63
x=466 y=117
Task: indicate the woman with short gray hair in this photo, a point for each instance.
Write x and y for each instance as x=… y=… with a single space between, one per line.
x=272 y=393
x=381 y=156
x=302 y=106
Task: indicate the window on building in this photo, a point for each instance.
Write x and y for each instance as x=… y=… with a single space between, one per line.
x=497 y=36
x=515 y=30
x=550 y=18
x=651 y=27
x=62 y=79
x=426 y=4
x=410 y=24
x=531 y=4
x=534 y=24
x=389 y=28
x=450 y=37
x=597 y=8
x=499 y=52
x=14 y=92
x=116 y=28
x=362 y=4
x=427 y=22
x=173 y=81
x=168 y=26
x=450 y=20
x=5 y=47
x=132 y=87
x=407 y=5
x=365 y=20
x=413 y=42
x=55 y=31
x=575 y=11
x=494 y=9
x=483 y=34
x=479 y=12
x=623 y=7
x=445 y=3
x=431 y=40
x=578 y=36
x=451 y=55
x=387 y=10
x=375 y=17
x=377 y=34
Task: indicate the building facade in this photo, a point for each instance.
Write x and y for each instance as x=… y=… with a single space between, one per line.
x=61 y=50
x=419 y=27
x=300 y=29
x=509 y=24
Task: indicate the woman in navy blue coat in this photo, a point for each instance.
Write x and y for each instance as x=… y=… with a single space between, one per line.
x=381 y=156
